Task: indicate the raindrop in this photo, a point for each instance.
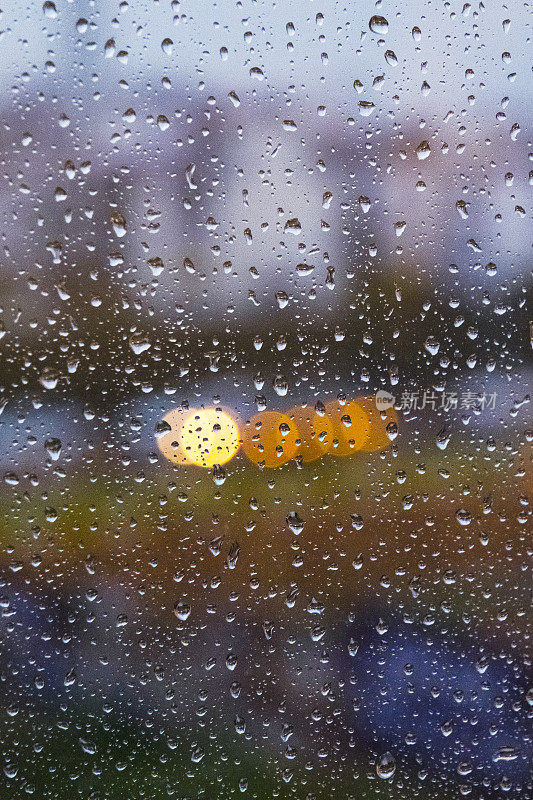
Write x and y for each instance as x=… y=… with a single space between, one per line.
x=386 y=766
x=378 y=25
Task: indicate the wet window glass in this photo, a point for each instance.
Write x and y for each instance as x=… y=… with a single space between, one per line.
x=265 y=419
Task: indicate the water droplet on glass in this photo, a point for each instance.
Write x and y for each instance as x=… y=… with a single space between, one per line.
x=386 y=766
x=378 y=25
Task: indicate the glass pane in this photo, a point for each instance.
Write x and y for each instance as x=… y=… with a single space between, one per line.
x=265 y=415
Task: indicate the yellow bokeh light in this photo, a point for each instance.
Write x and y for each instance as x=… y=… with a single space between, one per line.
x=269 y=438
x=203 y=437
x=378 y=438
x=351 y=427
x=315 y=432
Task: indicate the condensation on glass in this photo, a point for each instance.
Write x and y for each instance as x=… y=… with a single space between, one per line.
x=265 y=416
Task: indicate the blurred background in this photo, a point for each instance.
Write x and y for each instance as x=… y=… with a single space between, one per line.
x=257 y=207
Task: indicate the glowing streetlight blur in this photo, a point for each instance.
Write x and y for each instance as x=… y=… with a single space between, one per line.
x=351 y=427
x=378 y=438
x=315 y=432
x=203 y=437
x=270 y=438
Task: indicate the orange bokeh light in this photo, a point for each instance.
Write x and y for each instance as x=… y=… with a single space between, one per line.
x=378 y=438
x=315 y=432
x=269 y=438
x=351 y=427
